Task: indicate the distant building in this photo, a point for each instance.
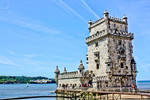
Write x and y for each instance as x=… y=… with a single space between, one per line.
x=42 y=81
x=111 y=64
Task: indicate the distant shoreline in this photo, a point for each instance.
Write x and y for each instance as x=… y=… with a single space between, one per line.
x=25 y=80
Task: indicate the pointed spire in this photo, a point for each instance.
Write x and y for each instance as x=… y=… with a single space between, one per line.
x=81 y=67
x=57 y=70
x=80 y=61
x=65 y=70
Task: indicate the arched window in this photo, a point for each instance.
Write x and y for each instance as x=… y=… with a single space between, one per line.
x=122 y=65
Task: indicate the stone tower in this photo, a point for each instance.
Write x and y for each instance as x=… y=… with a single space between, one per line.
x=110 y=51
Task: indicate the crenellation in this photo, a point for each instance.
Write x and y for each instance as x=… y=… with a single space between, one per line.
x=117 y=20
x=100 y=21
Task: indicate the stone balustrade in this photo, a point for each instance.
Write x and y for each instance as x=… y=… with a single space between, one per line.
x=110 y=31
x=116 y=19
x=96 y=36
x=120 y=33
x=100 y=78
x=101 y=20
x=69 y=75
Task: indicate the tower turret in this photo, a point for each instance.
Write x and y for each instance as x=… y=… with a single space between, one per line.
x=57 y=72
x=65 y=70
x=81 y=67
x=106 y=14
x=125 y=19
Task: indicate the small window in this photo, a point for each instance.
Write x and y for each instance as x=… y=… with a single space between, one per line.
x=114 y=25
x=96 y=44
x=97 y=55
x=87 y=58
x=119 y=42
x=97 y=66
x=122 y=65
x=126 y=67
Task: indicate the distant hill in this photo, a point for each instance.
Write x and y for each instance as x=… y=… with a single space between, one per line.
x=23 y=79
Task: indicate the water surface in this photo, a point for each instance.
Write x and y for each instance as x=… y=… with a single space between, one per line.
x=20 y=90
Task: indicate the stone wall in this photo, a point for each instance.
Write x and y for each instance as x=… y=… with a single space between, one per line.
x=102 y=49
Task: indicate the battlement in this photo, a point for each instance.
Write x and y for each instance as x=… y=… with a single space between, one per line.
x=69 y=75
x=93 y=24
x=106 y=20
x=96 y=36
x=103 y=33
x=117 y=19
x=121 y=33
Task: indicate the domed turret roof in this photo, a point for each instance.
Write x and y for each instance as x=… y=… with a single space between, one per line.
x=65 y=70
x=57 y=70
x=106 y=12
x=124 y=17
x=81 y=67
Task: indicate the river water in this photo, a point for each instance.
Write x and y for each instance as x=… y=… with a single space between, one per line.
x=20 y=90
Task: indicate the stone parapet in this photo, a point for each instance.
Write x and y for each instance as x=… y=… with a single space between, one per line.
x=69 y=75
x=117 y=20
x=121 y=33
x=96 y=36
x=101 y=20
x=100 y=78
x=102 y=33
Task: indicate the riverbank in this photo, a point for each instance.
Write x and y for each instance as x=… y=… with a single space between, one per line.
x=25 y=80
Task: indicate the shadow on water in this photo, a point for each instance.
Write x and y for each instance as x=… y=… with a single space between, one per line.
x=41 y=98
x=62 y=98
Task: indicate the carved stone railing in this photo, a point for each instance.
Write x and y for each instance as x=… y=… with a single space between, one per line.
x=116 y=19
x=100 y=78
x=102 y=33
x=67 y=75
x=96 y=36
x=101 y=20
x=121 y=33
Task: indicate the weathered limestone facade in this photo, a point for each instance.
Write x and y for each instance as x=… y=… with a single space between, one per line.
x=109 y=57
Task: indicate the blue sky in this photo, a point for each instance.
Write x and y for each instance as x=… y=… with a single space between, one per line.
x=37 y=35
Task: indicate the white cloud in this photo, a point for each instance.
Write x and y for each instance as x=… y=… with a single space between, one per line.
x=30 y=25
x=89 y=9
x=71 y=10
x=7 y=61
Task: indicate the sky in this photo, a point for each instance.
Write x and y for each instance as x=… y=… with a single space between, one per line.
x=38 y=35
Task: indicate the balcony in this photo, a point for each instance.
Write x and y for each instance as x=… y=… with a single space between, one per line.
x=96 y=59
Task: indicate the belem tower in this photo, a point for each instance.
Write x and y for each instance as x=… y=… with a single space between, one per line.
x=111 y=65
